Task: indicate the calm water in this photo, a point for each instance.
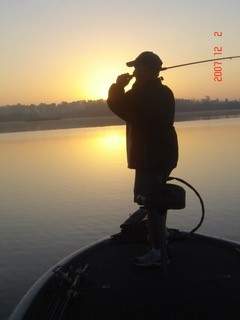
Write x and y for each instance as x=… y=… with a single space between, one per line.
x=63 y=189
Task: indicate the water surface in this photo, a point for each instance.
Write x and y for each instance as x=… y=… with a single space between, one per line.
x=63 y=189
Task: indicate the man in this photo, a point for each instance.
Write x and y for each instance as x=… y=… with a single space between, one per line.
x=152 y=147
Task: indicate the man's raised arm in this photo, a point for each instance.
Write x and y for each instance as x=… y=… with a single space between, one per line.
x=116 y=100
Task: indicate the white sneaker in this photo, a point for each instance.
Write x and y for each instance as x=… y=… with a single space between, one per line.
x=149 y=259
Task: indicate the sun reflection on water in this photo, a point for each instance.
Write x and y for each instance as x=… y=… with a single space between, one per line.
x=112 y=141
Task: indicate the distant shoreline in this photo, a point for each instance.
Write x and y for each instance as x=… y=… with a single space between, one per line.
x=83 y=122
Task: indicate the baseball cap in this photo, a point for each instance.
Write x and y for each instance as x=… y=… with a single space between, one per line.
x=146 y=58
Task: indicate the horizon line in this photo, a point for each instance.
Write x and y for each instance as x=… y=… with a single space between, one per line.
x=206 y=98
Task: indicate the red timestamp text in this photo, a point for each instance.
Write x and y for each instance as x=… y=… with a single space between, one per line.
x=217 y=65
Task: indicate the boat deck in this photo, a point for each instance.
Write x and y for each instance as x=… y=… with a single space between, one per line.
x=203 y=281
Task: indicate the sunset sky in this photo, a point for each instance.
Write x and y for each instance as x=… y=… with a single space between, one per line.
x=66 y=50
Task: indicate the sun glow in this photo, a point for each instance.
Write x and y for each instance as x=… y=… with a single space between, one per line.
x=97 y=82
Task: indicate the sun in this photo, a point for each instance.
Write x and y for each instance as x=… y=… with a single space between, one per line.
x=94 y=81
x=98 y=82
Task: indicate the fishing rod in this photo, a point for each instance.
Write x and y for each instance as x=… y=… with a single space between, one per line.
x=197 y=62
x=190 y=63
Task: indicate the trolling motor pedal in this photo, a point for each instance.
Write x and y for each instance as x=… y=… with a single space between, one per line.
x=135 y=217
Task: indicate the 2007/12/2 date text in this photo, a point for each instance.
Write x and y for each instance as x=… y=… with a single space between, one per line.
x=217 y=65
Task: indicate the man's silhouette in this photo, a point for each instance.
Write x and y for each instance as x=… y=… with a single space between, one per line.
x=152 y=147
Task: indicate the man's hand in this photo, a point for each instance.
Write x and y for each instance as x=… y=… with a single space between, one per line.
x=124 y=79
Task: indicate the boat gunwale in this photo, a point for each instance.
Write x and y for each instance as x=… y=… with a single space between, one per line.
x=22 y=307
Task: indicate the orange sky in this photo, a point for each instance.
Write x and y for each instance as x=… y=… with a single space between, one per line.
x=66 y=51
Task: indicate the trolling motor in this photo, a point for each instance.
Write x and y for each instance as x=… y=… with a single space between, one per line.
x=168 y=196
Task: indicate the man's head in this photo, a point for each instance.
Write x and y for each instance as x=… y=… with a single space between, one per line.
x=147 y=66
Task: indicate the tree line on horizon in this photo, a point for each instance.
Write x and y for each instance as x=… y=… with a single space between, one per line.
x=99 y=108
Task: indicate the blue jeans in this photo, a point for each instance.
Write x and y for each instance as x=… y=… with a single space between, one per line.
x=146 y=183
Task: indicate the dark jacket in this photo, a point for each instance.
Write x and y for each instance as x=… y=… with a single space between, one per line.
x=148 y=110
